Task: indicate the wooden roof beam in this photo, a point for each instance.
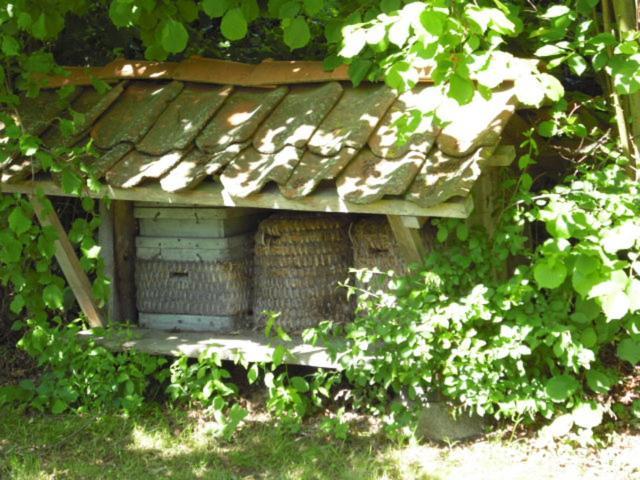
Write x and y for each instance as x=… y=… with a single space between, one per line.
x=212 y=195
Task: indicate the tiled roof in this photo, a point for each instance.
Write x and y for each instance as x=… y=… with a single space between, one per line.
x=299 y=136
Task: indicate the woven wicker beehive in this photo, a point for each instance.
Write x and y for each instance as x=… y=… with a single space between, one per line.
x=374 y=246
x=300 y=259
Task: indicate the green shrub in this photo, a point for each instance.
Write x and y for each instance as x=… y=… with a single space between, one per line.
x=525 y=345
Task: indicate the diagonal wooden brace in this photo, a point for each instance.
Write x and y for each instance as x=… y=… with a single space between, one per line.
x=409 y=238
x=69 y=263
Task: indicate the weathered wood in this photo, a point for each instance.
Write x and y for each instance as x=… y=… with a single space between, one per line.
x=106 y=239
x=125 y=228
x=193 y=249
x=502 y=157
x=211 y=194
x=252 y=346
x=414 y=222
x=215 y=228
x=69 y=263
x=192 y=323
x=162 y=212
x=484 y=196
x=412 y=246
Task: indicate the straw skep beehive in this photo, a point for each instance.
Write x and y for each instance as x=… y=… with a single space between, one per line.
x=374 y=247
x=300 y=259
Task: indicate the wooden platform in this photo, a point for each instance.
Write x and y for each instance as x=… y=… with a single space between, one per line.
x=253 y=346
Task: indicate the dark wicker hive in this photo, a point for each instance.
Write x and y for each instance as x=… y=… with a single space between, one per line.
x=299 y=261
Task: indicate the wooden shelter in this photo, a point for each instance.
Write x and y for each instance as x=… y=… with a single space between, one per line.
x=280 y=136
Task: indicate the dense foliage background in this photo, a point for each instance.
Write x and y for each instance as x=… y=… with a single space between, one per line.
x=551 y=337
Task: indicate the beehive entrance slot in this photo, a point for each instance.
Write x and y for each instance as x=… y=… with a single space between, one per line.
x=179 y=274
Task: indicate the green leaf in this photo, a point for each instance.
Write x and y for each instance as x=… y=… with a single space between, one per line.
x=589 y=337
x=462 y=232
x=312 y=7
x=633 y=293
x=279 y=354
x=237 y=413
x=556 y=11
x=615 y=305
x=461 y=89
x=629 y=350
x=401 y=76
x=547 y=128
x=58 y=407
x=549 y=51
x=358 y=70
x=53 y=297
x=253 y=373
x=549 y=274
x=19 y=223
x=621 y=237
x=389 y=6
x=234 y=25
x=399 y=32
x=300 y=384
x=577 y=64
x=17 y=304
x=10 y=46
x=561 y=387
x=599 y=381
x=354 y=41
x=433 y=22
x=188 y=10
x=289 y=9
x=174 y=36
x=215 y=8
x=297 y=34
x=11 y=248
x=71 y=182
x=250 y=9
x=587 y=415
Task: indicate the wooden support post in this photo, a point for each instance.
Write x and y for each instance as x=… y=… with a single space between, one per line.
x=106 y=239
x=70 y=264
x=409 y=240
x=125 y=228
x=484 y=198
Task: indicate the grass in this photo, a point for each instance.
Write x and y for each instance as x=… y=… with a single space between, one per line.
x=179 y=445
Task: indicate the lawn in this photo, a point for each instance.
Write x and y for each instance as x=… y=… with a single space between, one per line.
x=179 y=445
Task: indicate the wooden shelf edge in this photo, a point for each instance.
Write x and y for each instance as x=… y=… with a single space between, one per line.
x=254 y=347
x=212 y=195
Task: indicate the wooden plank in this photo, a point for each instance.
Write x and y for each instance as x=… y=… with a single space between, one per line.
x=412 y=246
x=106 y=239
x=413 y=222
x=69 y=263
x=193 y=249
x=218 y=228
x=125 y=229
x=162 y=212
x=502 y=157
x=252 y=346
x=193 y=323
x=212 y=194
